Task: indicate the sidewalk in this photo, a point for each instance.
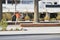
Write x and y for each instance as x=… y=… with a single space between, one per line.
x=31 y=30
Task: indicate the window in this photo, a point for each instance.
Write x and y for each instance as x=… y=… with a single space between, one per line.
x=42 y=15
x=3 y=1
x=55 y=3
x=53 y=15
x=49 y=3
x=43 y=2
x=30 y=15
x=27 y=1
x=51 y=6
x=10 y=1
x=13 y=2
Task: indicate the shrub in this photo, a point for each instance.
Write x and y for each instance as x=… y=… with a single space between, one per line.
x=17 y=29
x=3 y=24
x=27 y=17
x=11 y=29
x=52 y=19
x=46 y=17
x=8 y=16
x=58 y=16
x=4 y=15
x=41 y=19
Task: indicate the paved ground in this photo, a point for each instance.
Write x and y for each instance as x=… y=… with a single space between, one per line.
x=36 y=29
x=13 y=27
x=31 y=30
x=31 y=37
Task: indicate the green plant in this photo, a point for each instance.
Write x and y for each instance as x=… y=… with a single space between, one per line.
x=52 y=19
x=58 y=16
x=46 y=17
x=8 y=16
x=27 y=17
x=3 y=24
x=41 y=19
x=4 y=15
x=11 y=29
x=17 y=29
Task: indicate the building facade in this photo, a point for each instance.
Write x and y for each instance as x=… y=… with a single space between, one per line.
x=23 y=5
x=27 y=6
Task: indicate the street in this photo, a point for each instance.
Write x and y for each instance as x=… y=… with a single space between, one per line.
x=31 y=37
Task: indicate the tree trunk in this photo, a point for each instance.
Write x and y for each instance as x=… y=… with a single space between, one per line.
x=0 y=10
x=36 y=14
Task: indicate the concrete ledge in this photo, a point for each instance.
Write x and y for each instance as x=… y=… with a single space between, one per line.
x=39 y=25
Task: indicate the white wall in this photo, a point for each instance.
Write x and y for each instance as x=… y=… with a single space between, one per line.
x=19 y=7
x=28 y=7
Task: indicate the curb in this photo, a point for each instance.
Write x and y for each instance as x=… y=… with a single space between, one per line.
x=29 y=34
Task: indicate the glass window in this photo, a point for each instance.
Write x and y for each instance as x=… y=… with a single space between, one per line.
x=42 y=15
x=52 y=6
x=53 y=15
x=55 y=2
x=13 y=2
x=30 y=16
x=27 y=1
x=3 y=1
x=49 y=3
x=43 y=2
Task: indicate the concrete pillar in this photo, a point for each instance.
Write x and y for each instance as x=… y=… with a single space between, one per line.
x=0 y=10
x=36 y=15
